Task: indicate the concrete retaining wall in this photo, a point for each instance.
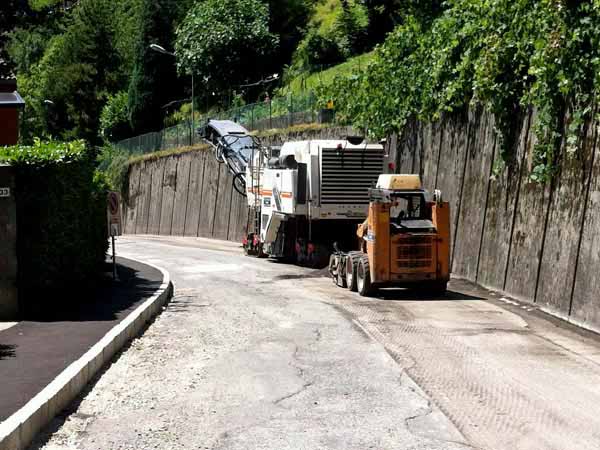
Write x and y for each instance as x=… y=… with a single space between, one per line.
x=535 y=242
x=184 y=195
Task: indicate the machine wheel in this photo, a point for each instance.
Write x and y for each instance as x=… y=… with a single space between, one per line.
x=239 y=184
x=254 y=251
x=248 y=250
x=261 y=253
x=363 y=277
x=341 y=272
x=351 y=264
x=333 y=264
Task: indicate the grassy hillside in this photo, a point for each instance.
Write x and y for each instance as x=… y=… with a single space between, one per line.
x=307 y=82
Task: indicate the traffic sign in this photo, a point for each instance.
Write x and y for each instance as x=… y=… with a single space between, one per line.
x=114 y=214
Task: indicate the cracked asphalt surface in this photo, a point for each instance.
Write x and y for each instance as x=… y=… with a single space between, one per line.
x=252 y=354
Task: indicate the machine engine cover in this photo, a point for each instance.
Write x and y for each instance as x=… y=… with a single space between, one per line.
x=399 y=182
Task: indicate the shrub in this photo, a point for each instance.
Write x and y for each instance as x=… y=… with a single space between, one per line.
x=114 y=120
x=61 y=215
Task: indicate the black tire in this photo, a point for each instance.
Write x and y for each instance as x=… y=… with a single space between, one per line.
x=363 y=277
x=248 y=251
x=351 y=263
x=261 y=254
x=333 y=268
x=239 y=184
x=341 y=273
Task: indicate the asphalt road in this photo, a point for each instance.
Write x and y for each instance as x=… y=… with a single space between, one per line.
x=253 y=354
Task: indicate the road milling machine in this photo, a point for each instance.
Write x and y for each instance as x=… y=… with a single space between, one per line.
x=405 y=241
x=308 y=194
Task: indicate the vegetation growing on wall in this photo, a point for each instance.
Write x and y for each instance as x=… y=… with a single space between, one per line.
x=504 y=54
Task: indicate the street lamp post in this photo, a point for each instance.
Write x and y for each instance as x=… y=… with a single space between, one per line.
x=159 y=49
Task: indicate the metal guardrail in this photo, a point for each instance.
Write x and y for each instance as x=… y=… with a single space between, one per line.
x=280 y=112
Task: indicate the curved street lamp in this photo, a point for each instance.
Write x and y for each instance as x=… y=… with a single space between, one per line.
x=267 y=80
x=160 y=49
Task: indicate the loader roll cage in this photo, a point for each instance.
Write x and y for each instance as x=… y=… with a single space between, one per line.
x=408 y=208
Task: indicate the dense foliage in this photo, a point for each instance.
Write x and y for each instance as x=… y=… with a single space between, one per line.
x=67 y=72
x=338 y=30
x=20 y=13
x=74 y=59
x=226 y=41
x=154 y=76
x=61 y=212
x=115 y=118
x=504 y=54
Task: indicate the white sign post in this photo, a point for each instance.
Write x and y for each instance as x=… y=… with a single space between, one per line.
x=113 y=212
x=4 y=192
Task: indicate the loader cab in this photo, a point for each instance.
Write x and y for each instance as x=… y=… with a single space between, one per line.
x=409 y=212
x=406 y=202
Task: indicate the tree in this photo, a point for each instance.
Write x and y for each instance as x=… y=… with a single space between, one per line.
x=350 y=29
x=226 y=40
x=154 y=78
x=288 y=19
x=114 y=120
x=80 y=67
x=385 y=15
x=13 y=14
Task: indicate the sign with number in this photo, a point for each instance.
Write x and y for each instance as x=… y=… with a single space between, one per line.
x=4 y=192
x=114 y=214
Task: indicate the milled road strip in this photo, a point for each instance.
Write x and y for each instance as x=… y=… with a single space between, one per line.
x=19 y=430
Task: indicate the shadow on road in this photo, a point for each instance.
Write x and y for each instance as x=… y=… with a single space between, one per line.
x=100 y=301
x=411 y=294
x=7 y=351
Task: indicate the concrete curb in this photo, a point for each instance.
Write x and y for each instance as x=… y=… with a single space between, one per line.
x=19 y=430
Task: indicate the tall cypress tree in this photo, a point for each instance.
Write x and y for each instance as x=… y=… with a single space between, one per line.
x=154 y=78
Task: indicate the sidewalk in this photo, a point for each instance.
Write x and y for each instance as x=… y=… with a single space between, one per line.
x=33 y=353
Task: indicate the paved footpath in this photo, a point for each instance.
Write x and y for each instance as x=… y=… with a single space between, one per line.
x=34 y=352
x=253 y=354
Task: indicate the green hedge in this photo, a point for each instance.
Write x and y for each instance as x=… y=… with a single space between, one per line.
x=61 y=216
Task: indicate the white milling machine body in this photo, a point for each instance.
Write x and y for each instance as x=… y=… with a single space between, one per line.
x=309 y=195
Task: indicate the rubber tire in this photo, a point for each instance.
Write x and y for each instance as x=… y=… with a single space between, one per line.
x=239 y=184
x=247 y=250
x=351 y=264
x=363 y=277
x=261 y=254
x=341 y=273
x=334 y=276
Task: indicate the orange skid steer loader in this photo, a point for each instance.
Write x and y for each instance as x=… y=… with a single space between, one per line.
x=405 y=241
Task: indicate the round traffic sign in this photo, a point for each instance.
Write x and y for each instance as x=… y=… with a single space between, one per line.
x=113 y=203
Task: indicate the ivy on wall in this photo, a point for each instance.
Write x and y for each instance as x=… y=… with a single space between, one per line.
x=506 y=55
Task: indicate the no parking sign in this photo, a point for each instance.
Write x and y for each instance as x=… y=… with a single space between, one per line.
x=114 y=214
